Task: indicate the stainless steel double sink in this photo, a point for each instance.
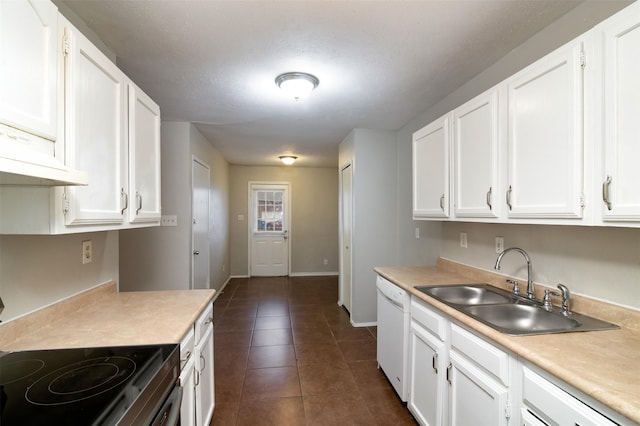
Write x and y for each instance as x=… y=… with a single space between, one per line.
x=510 y=313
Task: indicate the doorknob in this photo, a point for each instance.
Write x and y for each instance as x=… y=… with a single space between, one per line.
x=196 y=252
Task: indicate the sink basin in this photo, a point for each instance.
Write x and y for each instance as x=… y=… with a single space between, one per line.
x=522 y=319
x=509 y=313
x=467 y=294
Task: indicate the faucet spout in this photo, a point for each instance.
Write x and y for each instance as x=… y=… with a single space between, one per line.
x=530 y=289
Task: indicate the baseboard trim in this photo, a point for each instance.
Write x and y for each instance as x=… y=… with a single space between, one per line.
x=364 y=324
x=314 y=274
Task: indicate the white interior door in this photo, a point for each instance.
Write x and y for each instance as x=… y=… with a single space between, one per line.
x=200 y=226
x=346 y=234
x=269 y=229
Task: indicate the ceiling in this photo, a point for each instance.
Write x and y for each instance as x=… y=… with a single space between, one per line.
x=380 y=63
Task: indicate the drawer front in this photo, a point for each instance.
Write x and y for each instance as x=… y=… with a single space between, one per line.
x=427 y=318
x=490 y=358
x=553 y=404
x=205 y=318
x=187 y=347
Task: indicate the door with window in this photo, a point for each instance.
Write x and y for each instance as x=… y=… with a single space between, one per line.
x=269 y=229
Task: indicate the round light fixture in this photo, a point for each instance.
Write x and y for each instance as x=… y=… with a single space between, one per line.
x=288 y=159
x=297 y=84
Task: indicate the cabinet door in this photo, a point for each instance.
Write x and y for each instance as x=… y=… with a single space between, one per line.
x=95 y=132
x=545 y=138
x=431 y=146
x=188 y=404
x=28 y=66
x=475 y=397
x=620 y=38
x=144 y=157
x=427 y=364
x=205 y=387
x=476 y=137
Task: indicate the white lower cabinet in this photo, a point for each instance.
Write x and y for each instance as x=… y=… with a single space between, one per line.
x=205 y=398
x=456 y=378
x=544 y=403
x=480 y=377
x=428 y=360
x=197 y=375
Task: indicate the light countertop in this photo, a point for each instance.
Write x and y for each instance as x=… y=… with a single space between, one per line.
x=105 y=317
x=604 y=365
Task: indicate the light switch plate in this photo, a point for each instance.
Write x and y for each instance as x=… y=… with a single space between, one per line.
x=463 y=239
x=169 y=220
x=499 y=244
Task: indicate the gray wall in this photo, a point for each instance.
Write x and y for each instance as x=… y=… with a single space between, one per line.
x=599 y=262
x=159 y=258
x=36 y=271
x=314 y=216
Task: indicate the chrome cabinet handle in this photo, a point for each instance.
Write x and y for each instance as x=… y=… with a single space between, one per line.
x=197 y=252
x=434 y=362
x=126 y=200
x=449 y=373
x=139 y=202
x=208 y=321
x=442 y=202
x=605 y=192
x=489 y=198
x=509 y=197
x=188 y=354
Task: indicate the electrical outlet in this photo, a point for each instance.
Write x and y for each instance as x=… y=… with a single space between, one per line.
x=169 y=220
x=87 y=252
x=463 y=239
x=499 y=244
x=326 y=262
x=417 y=232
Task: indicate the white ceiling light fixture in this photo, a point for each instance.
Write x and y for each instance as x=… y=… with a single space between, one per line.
x=288 y=159
x=297 y=84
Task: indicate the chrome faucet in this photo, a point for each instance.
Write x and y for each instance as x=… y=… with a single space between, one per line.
x=530 y=292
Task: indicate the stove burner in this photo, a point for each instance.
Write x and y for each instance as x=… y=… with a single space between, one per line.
x=15 y=371
x=80 y=380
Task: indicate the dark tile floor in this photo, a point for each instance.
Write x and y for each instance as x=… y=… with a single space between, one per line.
x=286 y=354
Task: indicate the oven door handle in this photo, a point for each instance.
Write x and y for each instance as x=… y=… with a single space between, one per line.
x=169 y=414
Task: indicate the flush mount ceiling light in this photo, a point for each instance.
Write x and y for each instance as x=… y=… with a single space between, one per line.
x=297 y=84
x=288 y=159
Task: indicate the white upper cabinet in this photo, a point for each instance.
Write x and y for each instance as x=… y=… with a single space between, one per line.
x=95 y=133
x=618 y=42
x=545 y=137
x=431 y=169
x=476 y=160
x=144 y=157
x=28 y=66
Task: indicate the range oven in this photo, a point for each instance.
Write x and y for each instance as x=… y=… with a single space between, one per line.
x=122 y=385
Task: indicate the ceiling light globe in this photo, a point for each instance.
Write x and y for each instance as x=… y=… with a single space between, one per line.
x=288 y=159
x=297 y=84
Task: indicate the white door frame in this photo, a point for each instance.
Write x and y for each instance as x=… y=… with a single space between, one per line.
x=287 y=213
x=194 y=160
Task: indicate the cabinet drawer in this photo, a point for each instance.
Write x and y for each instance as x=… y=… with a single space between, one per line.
x=205 y=318
x=187 y=346
x=552 y=404
x=495 y=361
x=430 y=320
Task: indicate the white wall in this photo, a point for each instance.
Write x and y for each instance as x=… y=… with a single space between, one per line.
x=599 y=262
x=36 y=271
x=374 y=231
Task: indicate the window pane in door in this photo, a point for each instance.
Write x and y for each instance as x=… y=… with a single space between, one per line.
x=269 y=210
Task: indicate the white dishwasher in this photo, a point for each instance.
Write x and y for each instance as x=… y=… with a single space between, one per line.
x=394 y=320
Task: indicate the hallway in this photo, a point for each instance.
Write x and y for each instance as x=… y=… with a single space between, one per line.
x=286 y=354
